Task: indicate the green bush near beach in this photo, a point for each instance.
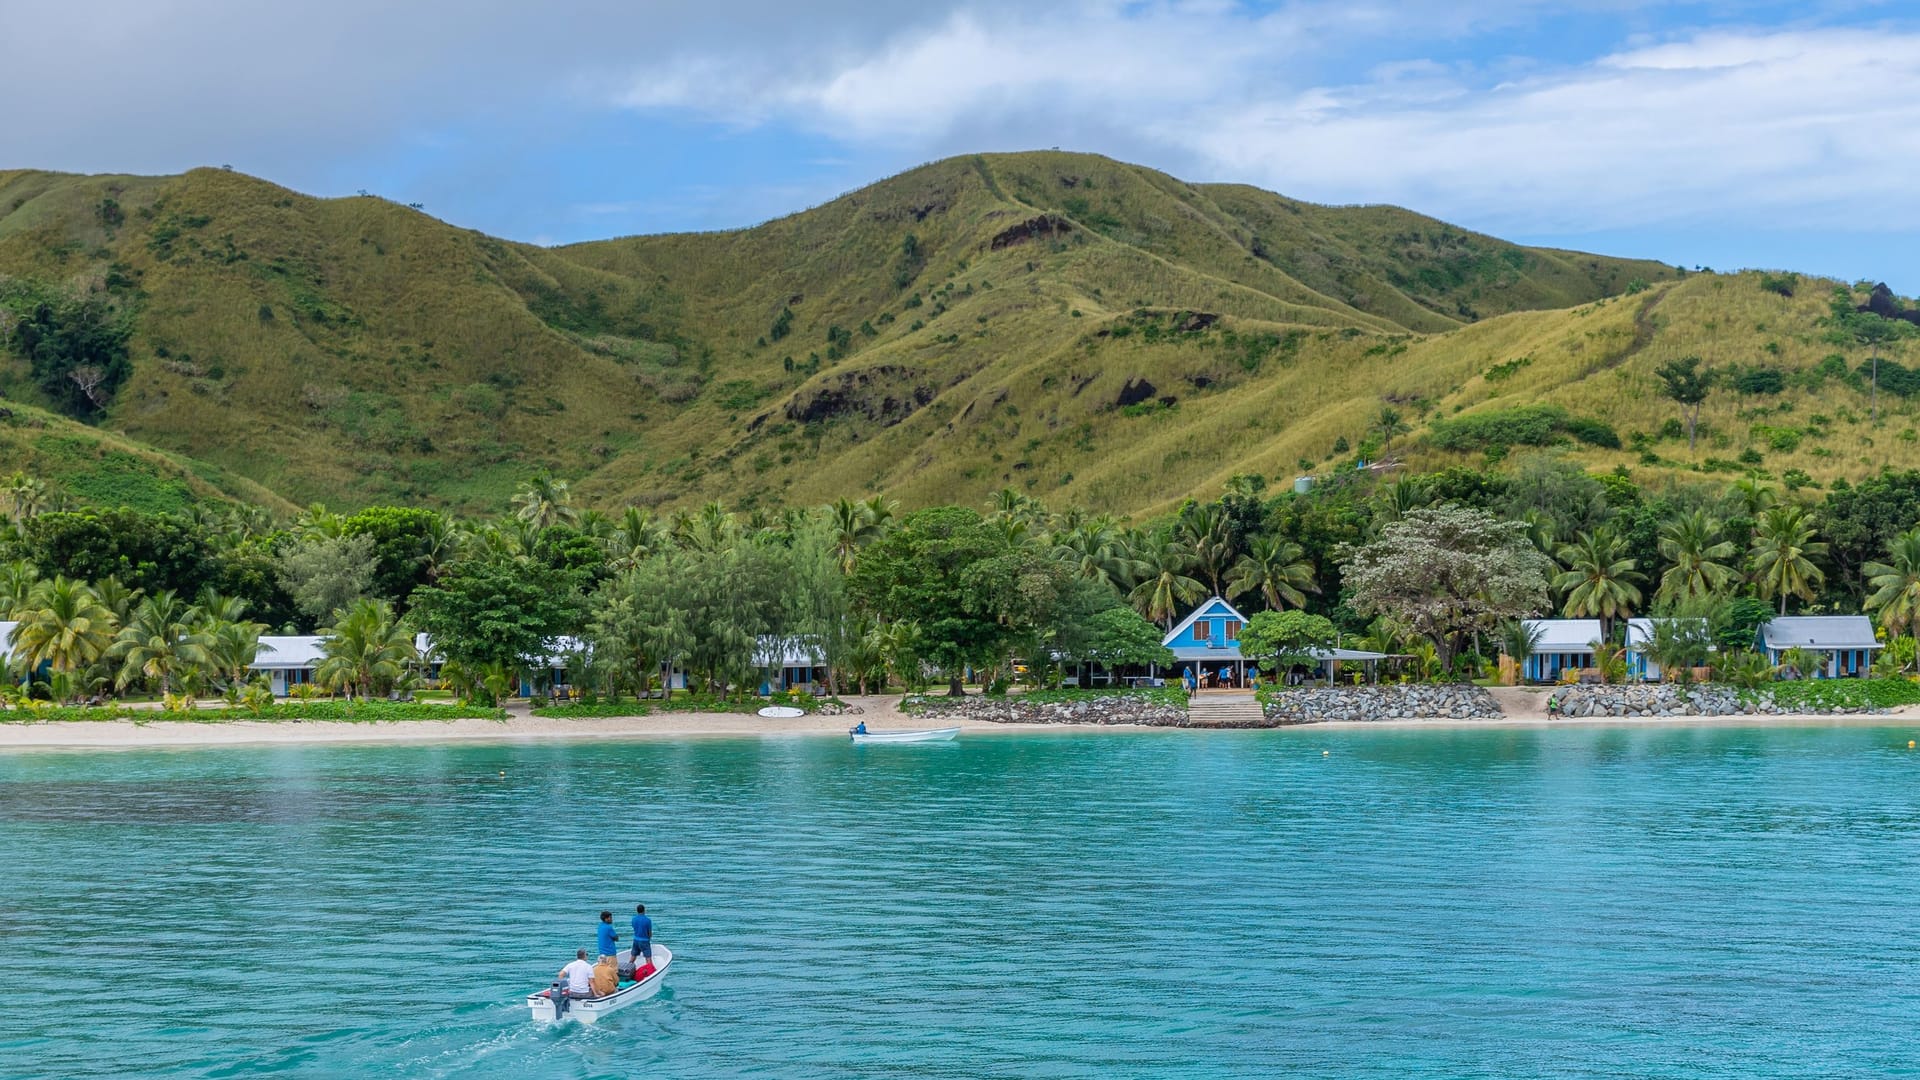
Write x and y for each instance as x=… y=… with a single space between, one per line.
x=1172 y=696
x=1827 y=695
x=582 y=710
x=349 y=711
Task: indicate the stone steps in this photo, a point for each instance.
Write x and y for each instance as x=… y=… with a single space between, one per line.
x=1224 y=710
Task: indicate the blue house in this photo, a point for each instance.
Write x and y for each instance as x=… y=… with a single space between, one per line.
x=1207 y=643
x=1640 y=666
x=1845 y=643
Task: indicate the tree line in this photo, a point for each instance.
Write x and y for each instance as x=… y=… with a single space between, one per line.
x=1439 y=566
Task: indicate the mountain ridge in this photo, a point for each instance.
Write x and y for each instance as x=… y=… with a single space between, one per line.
x=1091 y=331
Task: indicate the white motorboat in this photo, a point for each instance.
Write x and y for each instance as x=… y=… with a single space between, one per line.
x=945 y=734
x=589 y=1010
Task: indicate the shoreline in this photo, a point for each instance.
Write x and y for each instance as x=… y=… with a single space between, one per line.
x=880 y=712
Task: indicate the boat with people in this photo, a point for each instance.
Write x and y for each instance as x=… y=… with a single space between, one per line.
x=862 y=735
x=552 y=1004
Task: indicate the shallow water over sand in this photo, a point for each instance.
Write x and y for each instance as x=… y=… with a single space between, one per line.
x=1678 y=902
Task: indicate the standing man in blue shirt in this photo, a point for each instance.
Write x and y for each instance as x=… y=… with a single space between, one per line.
x=609 y=941
x=642 y=935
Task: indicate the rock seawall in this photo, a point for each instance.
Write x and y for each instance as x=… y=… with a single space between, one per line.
x=1671 y=700
x=1413 y=701
x=1013 y=709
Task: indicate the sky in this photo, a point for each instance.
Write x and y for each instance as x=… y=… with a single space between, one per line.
x=1719 y=133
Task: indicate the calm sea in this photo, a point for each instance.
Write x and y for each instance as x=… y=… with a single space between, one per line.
x=1692 y=902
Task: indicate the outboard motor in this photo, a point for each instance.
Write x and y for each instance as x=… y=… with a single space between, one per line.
x=560 y=1000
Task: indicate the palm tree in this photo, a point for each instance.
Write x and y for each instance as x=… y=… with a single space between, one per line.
x=1278 y=568
x=544 y=502
x=1164 y=584
x=1389 y=424
x=1519 y=639
x=1753 y=495
x=1692 y=543
x=1599 y=578
x=366 y=648
x=232 y=647
x=1095 y=550
x=17 y=582
x=1207 y=533
x=1896 y=584
x=24 y=497
x=64 y=626
x=1783 y=552
x=159 y=643
x=852 y=527
x=1397 y=498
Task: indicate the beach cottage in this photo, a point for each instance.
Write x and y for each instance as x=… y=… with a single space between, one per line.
x=1563 y=645
x=1207 y=643
x=1640 y=666
x=1844 y=643
x=288 y=660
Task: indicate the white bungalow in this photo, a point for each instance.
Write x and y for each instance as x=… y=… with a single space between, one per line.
x=1640 y=666
x=1563 y=645
x=1846 y=643
x=790 y=665
x=288 y=660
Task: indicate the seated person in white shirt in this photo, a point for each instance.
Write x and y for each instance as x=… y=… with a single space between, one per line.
x=578 y=976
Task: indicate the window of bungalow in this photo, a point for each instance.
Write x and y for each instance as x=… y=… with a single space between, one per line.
x=1233 y=629
x=1202 y=629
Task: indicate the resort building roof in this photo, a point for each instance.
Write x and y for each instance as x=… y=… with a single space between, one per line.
x=1819 y=632
x=291 y=651
x=1566 y=635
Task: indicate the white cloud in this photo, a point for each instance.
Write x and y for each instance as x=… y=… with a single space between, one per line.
x=1802 y=124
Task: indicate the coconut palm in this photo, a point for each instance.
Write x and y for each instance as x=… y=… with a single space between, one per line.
x=1896 y=584
x=116 y=597
x=1095 y=550
x=1520 y=639
x=1207 y=534
x=1599 y=580
x=24 y=497
x=851 y=527
x=1164 y=585
x=1753 y=495
x=64 y=626
x=232 y=647
x=364 y=650
x=544 y=502
x=1278 y=568
x=1782 y=554
x=1399 y=497
x=17 y=582
x=1692 y=543
x=159 y=643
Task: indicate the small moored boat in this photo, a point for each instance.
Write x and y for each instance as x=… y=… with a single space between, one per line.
x=944 y=734
x=590 y=1009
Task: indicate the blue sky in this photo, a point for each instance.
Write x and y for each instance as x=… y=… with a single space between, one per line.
x=1715 y=133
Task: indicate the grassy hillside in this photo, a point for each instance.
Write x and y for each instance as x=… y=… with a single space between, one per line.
x=1079 y=328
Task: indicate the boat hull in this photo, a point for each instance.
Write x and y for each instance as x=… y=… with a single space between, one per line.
x=932 y=735
x=590 y=1010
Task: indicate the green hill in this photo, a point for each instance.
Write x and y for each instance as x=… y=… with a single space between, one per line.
x=1089 y=331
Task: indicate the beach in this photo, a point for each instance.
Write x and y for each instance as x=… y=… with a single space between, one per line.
x=877 y=711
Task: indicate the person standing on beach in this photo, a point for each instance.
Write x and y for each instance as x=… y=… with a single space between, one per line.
x=609 y=941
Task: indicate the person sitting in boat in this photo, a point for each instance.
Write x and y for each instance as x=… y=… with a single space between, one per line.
x=609 y=941
x=606 y=976
x=860 y=728
x=576 y=979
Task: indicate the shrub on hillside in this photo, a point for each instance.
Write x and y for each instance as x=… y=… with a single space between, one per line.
x=1760 y=380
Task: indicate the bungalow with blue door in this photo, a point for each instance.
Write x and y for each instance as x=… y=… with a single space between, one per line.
x=288 y=660
x=786 y=664
x=1640 y=666
x=1845 y=643
x=1563 y=645
x=1207 y=643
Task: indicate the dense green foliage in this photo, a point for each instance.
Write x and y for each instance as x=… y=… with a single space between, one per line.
x=1827 y=695
x=364 y=712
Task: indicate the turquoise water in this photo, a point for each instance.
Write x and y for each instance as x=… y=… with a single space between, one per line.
x=1703 y=902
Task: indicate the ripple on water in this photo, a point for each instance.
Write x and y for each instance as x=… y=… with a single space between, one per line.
x=1579 y=903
